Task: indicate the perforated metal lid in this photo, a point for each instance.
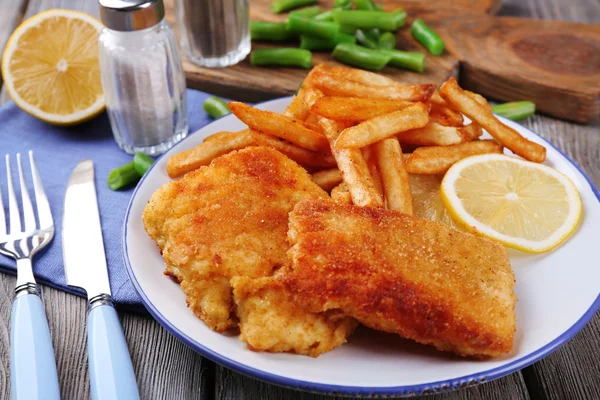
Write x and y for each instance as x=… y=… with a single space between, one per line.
x=131 y=15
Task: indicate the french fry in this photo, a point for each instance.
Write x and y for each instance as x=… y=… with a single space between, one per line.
x=219 y=135
x=434 y=134
x=311 y=96
x=438 y=159
x=445 y=115
x=330 y=86
x=359 y=75
x=328 y=178
x=297 y=109
x=340 y=194
x=370 y=159
x=384 y=126
x=281 y=126
x=353 y=167
x=438 y=100
x=189 y=160
x=478 y=110
x=355 y=109
x=394 y=177
x=306 y=158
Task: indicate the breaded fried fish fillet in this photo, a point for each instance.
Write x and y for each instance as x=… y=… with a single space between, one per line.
x=224 y=220
x=402 y=274
x=271 y=321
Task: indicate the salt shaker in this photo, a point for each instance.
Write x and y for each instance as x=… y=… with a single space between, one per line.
x=142 y=76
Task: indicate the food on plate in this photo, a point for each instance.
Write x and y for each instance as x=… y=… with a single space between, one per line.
x=57 y=81
x=438 y=159
x=394 y=178
x=402 y=274
x=224 y=220
x=340 y=194
x=297 y=132
x=328 y=178
x=189 y=160
x=271 y=321
x=427 y=200
x=355 y=109
x=383 y=126
x=436 y=134
x=528 y=206
x=477 y=109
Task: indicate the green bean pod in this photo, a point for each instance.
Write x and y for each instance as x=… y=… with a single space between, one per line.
x=215 y=107
x=272 y=31
x=386 y=40
x=344 y=4
x=366 y=5
x=363 y=39
x=123 y=177
x=308 y=12
x=427 y=37
x=360 y=19
x=142 y=163
x=280 y=6
x=399 y=17
x=317 y=44
x=515 y=110
x=360 y=57
x=312 y=27
x=405 y=59
x=282 y=57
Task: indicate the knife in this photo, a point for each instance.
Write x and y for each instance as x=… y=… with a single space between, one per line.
x=111 y=371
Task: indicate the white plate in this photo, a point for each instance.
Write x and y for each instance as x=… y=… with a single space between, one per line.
x=558 y=294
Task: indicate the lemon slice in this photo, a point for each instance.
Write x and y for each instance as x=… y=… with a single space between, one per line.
x=427 y=201
x=50 y=67
x=524 y=205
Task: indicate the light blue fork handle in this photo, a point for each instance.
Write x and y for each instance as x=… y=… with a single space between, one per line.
x=111 y=371
x=32 y=365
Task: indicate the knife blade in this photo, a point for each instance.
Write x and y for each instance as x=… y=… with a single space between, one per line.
x=111 y=370
x=83 y=246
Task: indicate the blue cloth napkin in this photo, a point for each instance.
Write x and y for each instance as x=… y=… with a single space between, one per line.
x=57 y=151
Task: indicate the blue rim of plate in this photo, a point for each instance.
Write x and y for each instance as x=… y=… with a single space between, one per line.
x=407 y=390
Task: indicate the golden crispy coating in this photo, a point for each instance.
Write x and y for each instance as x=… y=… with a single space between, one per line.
x=402 y=274
x=226 y=219
x=271 y=321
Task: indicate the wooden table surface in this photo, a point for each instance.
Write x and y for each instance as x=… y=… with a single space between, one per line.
x=167 y=369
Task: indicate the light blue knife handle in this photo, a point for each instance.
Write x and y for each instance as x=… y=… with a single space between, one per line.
x=111 y=371
x=32 y=365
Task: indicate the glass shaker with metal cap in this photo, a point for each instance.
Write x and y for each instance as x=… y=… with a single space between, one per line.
x=142 y=76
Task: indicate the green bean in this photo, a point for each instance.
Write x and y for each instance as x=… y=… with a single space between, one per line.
x=387 y=41
x=360 y=19
x=515 y=110
x=123 y=176
x=308 y=12
x=327 y=15
x=312 y=27
x=366 y=5
x=427 y=37
x=273 y=31
x=344 y=4
x=378 y=7
x=280 y=6
x=399 y=17
x=215 y=107
x=364 y=40
x=142 y=163
x=360 y=57
x=348 y=30
x=283 y=57
x=316 y=44
x=405 y=59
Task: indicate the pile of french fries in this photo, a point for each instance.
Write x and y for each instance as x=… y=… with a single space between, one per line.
x=348 y=127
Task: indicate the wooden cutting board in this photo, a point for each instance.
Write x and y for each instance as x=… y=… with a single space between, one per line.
x=555 y=64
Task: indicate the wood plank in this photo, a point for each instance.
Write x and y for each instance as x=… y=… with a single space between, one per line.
x=247 y=83
x=231 y=385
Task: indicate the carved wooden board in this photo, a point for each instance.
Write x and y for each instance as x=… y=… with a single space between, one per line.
x=555 y=64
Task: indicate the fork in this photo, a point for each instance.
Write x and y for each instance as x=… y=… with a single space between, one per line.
x=32 y=365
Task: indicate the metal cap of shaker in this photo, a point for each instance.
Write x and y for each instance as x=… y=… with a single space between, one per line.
x=131 y=15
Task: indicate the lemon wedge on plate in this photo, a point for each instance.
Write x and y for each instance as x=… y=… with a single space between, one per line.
x=525 y=205
x=50 y=67
x=427 y=201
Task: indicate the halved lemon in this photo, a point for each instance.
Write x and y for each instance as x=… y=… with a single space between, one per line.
x=525 y=205
x=427 y=201
x=50 y=67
